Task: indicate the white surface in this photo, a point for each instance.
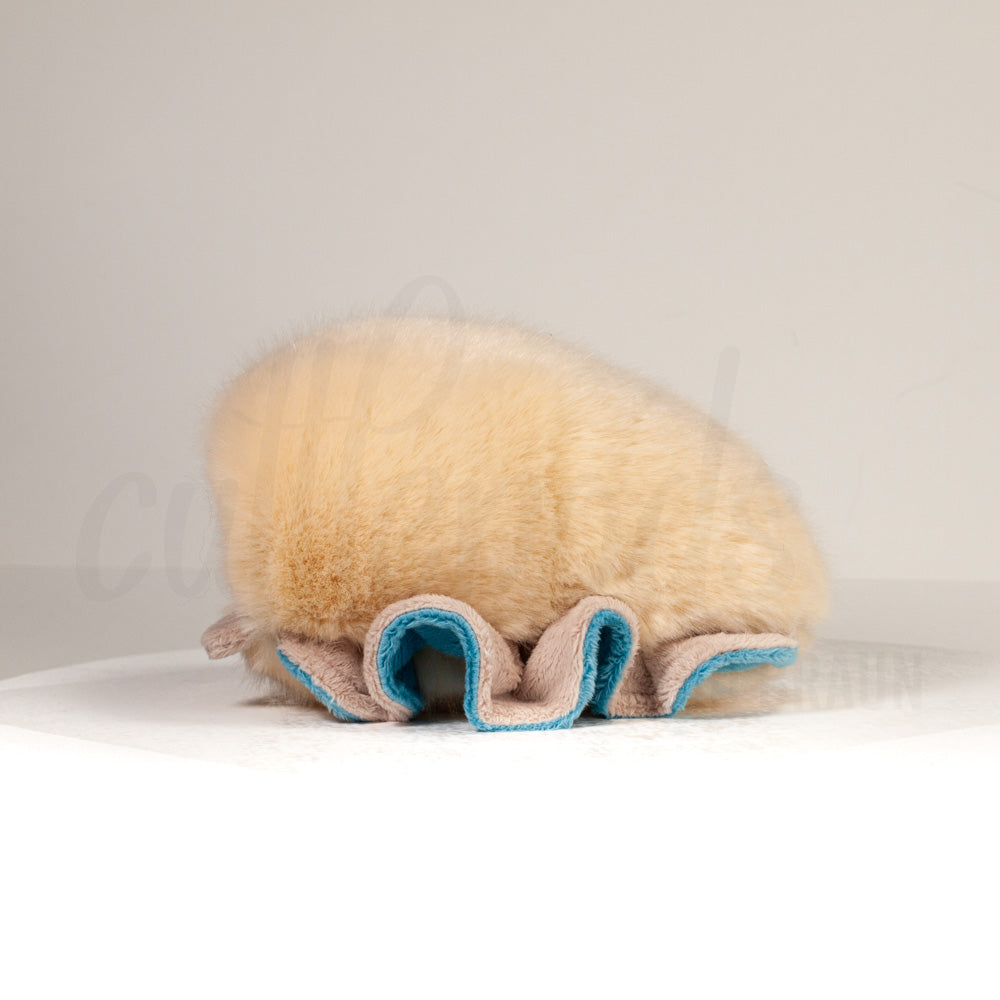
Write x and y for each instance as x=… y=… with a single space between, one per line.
x=812 y=185
x=164 y=826
x=815 y=188
x=841 y=696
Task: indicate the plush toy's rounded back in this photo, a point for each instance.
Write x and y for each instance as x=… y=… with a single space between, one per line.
x=386 y=458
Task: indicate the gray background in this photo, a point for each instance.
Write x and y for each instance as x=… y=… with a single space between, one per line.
x=815 y=187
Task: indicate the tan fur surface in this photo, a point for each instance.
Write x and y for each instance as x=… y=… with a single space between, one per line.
x=385 y=458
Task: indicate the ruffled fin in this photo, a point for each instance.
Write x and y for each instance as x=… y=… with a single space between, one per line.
x=589 y=657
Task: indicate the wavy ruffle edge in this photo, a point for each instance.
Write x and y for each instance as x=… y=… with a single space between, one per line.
x=588 y=658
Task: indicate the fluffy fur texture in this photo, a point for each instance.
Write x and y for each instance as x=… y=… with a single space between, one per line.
x=386 y=458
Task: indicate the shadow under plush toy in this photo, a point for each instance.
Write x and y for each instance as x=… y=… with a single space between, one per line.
x=580 y=537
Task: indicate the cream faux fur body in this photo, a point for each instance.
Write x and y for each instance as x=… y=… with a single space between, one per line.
x=386 y=458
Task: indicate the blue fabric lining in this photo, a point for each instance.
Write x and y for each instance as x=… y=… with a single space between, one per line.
x=606 y=647
x=406 y=635
x=735 y=659
x=321 y=694
x=614 y=649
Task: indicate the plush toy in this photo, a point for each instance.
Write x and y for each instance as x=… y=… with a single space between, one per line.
x=578 y=537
